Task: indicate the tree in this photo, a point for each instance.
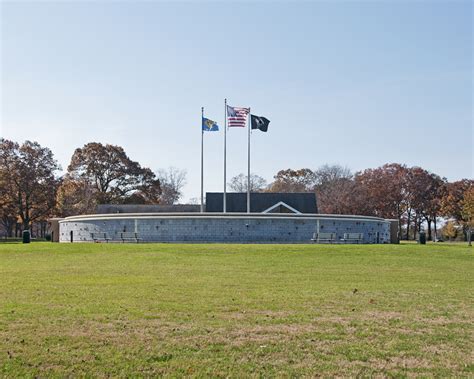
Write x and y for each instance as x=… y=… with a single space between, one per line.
x=412 y=187
x=27 y=173
x=334 y=187
x=8 y=222
x=430 y=205
x=8 y=209
x=384 y=191
x=239 y=183
x=8 y=206
x=112 y=175
x=8 y=217
x=451 y=202
x=422 y=189
x=75 y=197
x=449 y=230
x=172 y=182
x=302 y=180
x=467 y=211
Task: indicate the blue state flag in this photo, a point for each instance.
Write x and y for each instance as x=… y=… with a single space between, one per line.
x=209 y=125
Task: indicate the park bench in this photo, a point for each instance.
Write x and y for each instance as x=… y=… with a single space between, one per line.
x=97 y=237
x=353 y=237
x=324 y=237
x=129 y=236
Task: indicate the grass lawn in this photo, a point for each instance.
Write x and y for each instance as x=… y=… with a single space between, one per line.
x=236 y=310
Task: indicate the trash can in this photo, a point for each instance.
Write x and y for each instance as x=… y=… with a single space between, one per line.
x=26 y=236
x=423 y=238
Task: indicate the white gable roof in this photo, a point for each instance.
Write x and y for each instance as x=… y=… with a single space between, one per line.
x=281 y=203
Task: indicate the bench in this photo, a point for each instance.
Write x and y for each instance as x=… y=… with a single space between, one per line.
x=324 y=237
x=353 y=237
x=129 y=236
x=97 y=237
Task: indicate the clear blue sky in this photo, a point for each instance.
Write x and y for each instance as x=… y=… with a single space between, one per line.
x=354 y=83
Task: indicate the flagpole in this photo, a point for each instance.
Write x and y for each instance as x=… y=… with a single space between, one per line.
x=202 y=161
x=248 y=174
x=225 y=157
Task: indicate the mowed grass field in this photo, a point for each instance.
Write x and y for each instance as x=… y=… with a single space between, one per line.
x=108 y=310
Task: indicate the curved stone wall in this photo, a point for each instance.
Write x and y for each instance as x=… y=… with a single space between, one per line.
x=238 y=228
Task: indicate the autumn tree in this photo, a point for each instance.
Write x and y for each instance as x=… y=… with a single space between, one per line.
x=449 y=230
x=27 y=173
x=108 y=173
x=8 y=209
x=413 y=180
x=8 y=218
x=302 y=180
x=384 y=190
x=75 y=197
x=239 y=183
x=422 y=190
x=430 y=204
x=451 y=202
x=172 y=182
x=467 y=211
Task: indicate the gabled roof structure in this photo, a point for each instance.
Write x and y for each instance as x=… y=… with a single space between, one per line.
x=260 y=202
x=280 y=207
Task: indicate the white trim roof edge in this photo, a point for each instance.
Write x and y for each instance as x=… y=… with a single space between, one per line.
x=196 y=215
x=285 y=205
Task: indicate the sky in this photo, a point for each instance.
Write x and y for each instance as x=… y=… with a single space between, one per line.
x=358 y=84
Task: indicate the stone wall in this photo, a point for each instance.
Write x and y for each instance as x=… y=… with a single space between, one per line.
x=223 y=228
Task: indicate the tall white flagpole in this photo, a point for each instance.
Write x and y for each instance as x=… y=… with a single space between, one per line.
x=225 y=157
x=202 y=161
x=248 y=173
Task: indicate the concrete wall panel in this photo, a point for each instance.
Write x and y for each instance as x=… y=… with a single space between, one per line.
x=223 y=228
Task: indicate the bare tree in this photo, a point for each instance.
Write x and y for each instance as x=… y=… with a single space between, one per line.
x=330 y=173
x=172 y=182
x=334 y=187
x=239 y=183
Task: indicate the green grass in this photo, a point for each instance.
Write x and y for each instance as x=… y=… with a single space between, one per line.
x=235 y=310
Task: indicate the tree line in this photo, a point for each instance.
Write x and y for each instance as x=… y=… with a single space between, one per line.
x=31 y=191
x=412 y=195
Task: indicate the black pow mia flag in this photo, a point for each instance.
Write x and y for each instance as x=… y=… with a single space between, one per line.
x=259 y=122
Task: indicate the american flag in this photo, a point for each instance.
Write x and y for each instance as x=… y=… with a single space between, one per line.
x=237 y=116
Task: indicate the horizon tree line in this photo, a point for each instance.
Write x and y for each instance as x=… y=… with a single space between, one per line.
x=412 y=195
x=31 y=191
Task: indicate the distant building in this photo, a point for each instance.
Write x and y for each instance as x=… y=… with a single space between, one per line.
x=263 y=202
x=274 y=218
x=146 y=208
x=260 y=202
